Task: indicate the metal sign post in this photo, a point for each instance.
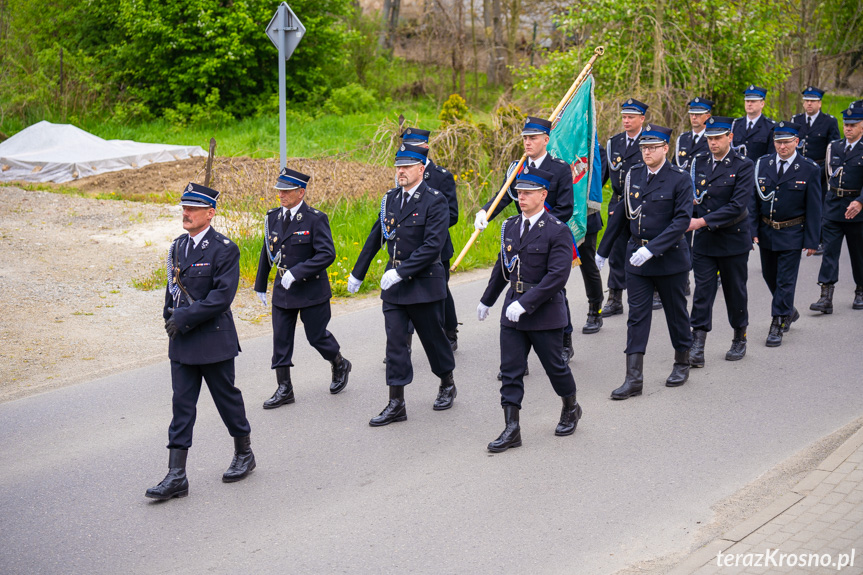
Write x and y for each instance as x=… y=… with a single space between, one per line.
x=285 y=31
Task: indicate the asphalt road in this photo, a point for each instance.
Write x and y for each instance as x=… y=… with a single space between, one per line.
x=333 y=495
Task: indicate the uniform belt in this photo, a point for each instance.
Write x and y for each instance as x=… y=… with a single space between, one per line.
x=397 y=263
x=785 y=224
x=640 y=241
x=739 y=219
x=844 y=192
x=521 y=287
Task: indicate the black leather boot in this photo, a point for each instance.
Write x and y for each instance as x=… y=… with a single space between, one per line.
x=858 y=298
x=395 y=409
x=285 y=392
x=795 y=315
x=569 y=416
x=341 y=371
x=634 y=381
x=680 y=371
x=696 y=354
x=446 y=393
x=526 y=373
x=774 y=336
x=614 y=303
x=511 y=436
x=738 y=345
x=243 y=462
x=452 y=336
x=825 y=302
x=657 y=302
x=594 y=319
x=175 y=483
x=568 y=351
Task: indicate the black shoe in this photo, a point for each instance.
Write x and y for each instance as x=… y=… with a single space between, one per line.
x=819 y=251
x=696 y=354
x=680 y=371
x=594 y=319
x=243 y=462
x=774 y=337
x=614 y=303
x=657 y=301
x=526 y=373
x=568 y=351
x=511 y=436
x=395 y=409
x=175 y=483
x=446 y=393
x=858 y=298
x=738 y=345
x=790 y=319
x=634 y=381
x=341 y=371
x=285 y=393
x=569 y=416
x=825 y=302
x=452 y=336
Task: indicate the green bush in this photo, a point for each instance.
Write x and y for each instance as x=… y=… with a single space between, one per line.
x=454 y=109
x=350 y=99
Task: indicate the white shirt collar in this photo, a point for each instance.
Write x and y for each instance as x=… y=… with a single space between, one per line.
x=852 y=144
x=412 y=190
x=531 y=219
x=649 y=171
x=633 y=139
x=294 y=210
x=788 y=162
x=699 y=134
x=813 y=116
x=199 y=236
x=753 y=120
x=719 y=161
x=537 y=162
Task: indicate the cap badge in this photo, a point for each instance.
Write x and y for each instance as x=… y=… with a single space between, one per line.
x=629 y=101
x=751 y=87
x=402 y=149
x=648 y=128
x=697 y=100
x=781 y=124
x=408 y=131
x=189 y=189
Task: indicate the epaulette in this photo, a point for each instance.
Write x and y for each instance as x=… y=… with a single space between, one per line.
x=834 y=141
x=439 y=169
x=808 y=160
x=678 y=169
x=513 y=217
x=561 y=161
x=391 y=190
x=273 y=210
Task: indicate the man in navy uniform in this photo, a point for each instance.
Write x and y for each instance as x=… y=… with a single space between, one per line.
x=203 y=275
x=299 y=244
x=559 y=200
x=536 y=250
x=413 y=226
x=442 y=180
x=817 y=130
x=842 y=207
x=652 y=217
x=623 y=154
x=786 y=218
x=724 y=183
x=754 y=131
x=693 y=143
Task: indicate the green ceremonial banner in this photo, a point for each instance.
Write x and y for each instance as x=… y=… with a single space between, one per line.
x=573 y=139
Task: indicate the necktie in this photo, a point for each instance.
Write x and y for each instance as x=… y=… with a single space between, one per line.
x=532 y=165
x=749 y=128
x=524 y=230
x=809 y=121
x=628 y=142
x=695 y=140
x=405 y=197
x=781 y=167
x=650 y=176
x=847 y=149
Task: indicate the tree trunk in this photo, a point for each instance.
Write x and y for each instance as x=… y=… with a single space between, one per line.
x=658 y=55
x=383 y=36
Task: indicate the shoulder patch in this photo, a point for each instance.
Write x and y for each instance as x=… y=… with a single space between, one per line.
x=273 y=210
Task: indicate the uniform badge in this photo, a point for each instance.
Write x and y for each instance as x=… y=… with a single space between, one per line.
x=541 y=223
x=636 y=195
x=796 y=166
x=526 y=170
x=189 y=189
x=682 y=153
x=204 y=244
x=703 y=182
x=763 y=189
x=771 y=162
x=299 y=217
x=509 y=248
x=426 y=176
x=392 y=220
x=226 y=241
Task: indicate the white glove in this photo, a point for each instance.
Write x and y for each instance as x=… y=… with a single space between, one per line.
x=514 y=311
x=389 y=279
x=262 y=295
x=640 y=256
x=287 y=280
x=354 y=284
x=482 y=311
x=600 y=261
x=481 y=222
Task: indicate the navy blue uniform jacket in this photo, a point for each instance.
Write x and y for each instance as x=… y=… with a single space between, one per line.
x=306 y=249
x=814 y=140
x=728 y=192
x=415 y=250
x=666 y=209
x=620 y=161
x=559 y=198
x=545 y=259
x=846 y=173
x=797 y=193
x=759 y=141
x=684 y=151
x=211 y=274
x=441 y=180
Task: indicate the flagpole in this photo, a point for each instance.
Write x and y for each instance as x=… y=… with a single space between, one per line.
x=567 y=97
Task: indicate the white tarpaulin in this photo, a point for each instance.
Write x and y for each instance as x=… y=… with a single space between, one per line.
x=47 y=152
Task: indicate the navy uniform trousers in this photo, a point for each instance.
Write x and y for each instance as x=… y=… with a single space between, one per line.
x=315 y=319
x=723 y=245
x=207 y=343
x=545 y=261
x=418 y=233
x=665 y=206
x=847 y=174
